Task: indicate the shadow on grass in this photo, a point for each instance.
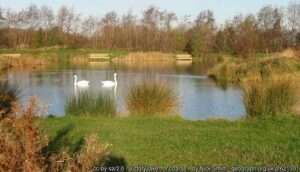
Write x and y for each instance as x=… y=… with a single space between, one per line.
x=115 y=162
x=62 y=140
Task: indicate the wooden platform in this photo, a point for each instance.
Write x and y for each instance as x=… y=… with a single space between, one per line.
x=99 y=56
x=186 y=57
x=10 y=55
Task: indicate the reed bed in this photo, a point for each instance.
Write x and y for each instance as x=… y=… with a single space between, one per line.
x=27 y=61
x=87 y=104
x=151 y=98
x=235 y=70
x=146 y=56
x=269 y=97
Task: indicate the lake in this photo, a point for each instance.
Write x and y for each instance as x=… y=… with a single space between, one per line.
x=199 y=96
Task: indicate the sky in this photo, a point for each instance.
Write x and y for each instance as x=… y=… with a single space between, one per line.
x=223 y=9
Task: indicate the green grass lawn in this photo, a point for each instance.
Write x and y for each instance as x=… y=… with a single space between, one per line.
x=173 y=141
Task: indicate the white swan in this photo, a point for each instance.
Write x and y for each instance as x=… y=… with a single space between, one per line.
x=82 y=83
x=110 y=83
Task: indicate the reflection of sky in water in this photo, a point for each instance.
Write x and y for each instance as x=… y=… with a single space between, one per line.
x=199 y=97
x=202 y=99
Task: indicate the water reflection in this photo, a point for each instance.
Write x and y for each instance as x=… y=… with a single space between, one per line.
x=199 y=96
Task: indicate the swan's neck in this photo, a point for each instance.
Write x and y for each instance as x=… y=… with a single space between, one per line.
x=115 y=78
x=75 y=81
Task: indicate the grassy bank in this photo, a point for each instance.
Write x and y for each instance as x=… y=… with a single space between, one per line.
x=69 y=51
x=173 y=141
x=32 y=58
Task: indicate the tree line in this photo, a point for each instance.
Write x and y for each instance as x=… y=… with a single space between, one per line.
x=271 y=29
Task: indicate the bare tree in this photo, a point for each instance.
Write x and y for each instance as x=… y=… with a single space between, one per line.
x=169 y=18
x=31 y=17
x=270 y=25
x=203 y=34
x=109 y=24
x=68 y=21
x=266 y=18
x=47 y=17
x=246 y=37
x=157 y=30
x=184 y=23
x=65 y=18
x=151 y=17
x=293 y=16
x=88 y=26
x=151 y=20
x=129 y=22
x=205 y=18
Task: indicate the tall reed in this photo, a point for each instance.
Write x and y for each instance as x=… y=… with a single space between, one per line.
x=274 y=96
x=151 y=98
x=86 y=103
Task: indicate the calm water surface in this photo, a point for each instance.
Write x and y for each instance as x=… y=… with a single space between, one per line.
x=199 y=97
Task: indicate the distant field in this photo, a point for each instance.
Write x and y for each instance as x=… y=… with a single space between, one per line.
x=62 y=52
x=164 y=141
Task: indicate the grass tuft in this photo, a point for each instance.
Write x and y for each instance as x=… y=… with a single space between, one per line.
x=151 y=98
x=88 y=104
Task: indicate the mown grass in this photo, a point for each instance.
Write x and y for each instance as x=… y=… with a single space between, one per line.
x=151 y=98
x=173 y=141
x=88 y=104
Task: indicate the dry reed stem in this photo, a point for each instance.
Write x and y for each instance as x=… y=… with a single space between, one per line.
x=22 y=143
